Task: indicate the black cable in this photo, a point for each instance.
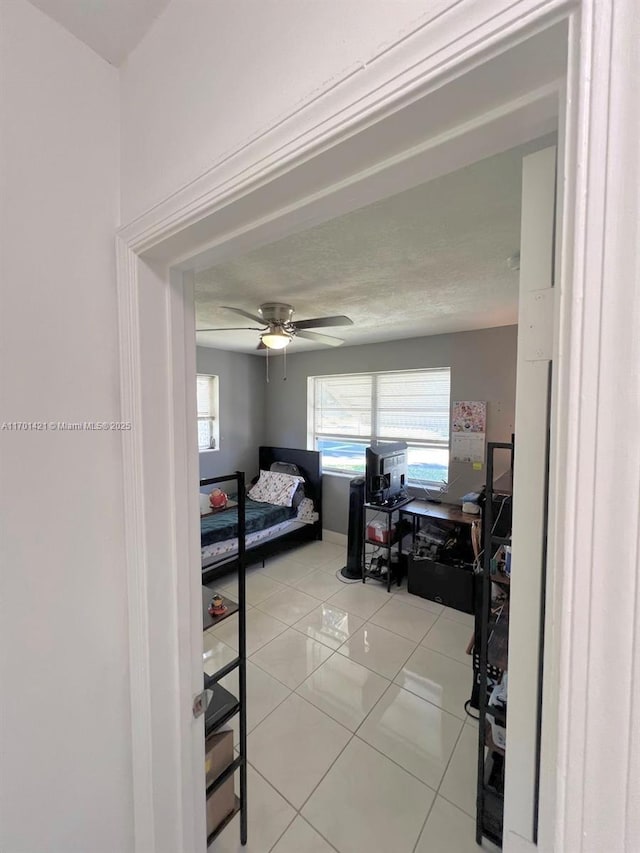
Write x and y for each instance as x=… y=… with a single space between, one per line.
x=468 y=712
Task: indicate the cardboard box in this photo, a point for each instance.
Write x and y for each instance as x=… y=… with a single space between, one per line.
x=218 y=756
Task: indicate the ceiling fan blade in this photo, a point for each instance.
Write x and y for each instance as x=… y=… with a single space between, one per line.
x=253 y=317
x=320 y=322
x=233 y=329
x=321 y=339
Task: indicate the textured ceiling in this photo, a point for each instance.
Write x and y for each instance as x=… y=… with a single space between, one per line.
x=430 y=260
x=111 y=27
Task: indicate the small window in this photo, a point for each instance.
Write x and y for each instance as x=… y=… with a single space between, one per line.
x=347 y=412
x=208 y=422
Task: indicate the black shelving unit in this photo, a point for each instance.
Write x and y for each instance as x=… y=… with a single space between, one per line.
x=385 y=547
x=224 y=705
x=491 y=656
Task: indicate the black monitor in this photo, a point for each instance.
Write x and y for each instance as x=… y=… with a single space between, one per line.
x=386 y=472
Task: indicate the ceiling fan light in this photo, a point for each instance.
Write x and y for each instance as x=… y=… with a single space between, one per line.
x=276 y=339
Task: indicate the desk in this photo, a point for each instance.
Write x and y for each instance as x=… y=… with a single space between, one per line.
x=450 y=582
x=444 y=512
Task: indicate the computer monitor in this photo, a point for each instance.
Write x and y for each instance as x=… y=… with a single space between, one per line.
x=386 y=472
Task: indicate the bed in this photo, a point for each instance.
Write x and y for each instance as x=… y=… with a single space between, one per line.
x=269 y=529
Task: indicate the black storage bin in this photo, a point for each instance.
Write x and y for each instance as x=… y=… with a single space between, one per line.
x=447 y=585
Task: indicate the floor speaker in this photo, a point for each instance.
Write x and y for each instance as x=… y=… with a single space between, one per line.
x=353 y=569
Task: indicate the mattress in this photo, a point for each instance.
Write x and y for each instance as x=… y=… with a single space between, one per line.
x=258 y=516
x=229 y=547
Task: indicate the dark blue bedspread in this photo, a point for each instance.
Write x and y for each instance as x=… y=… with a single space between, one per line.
x=259 y=516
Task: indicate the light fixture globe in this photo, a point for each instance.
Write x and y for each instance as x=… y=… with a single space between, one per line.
x=276 y=338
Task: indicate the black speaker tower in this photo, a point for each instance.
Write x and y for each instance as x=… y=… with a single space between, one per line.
x=353 y=570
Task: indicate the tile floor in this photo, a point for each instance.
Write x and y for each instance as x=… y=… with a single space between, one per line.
x=358 y=739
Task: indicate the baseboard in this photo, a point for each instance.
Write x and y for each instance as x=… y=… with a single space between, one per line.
x=336 y=538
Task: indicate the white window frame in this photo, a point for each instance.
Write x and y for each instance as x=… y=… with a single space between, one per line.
x=375 y=436
x=211 y=416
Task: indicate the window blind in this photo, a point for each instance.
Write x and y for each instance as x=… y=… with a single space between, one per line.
x=349 y=411
x=414 y=406
x=343 y=405
x=204 y=396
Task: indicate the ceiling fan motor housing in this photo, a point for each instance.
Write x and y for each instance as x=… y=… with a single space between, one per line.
x=276 y=313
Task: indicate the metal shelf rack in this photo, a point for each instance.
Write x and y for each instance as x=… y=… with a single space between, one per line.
x=492 y=662
x=224 y=705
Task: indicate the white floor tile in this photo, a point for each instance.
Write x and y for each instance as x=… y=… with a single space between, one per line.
x=413 y=733
x=320 y=584
x=451 y=639
x=360 y=599
x=258 y=587
x=332 y=564
x=367 y=804
x=269 y=816
x=302 y=838
x=329 y=625
x=344 y=690
x=459 y=783
x=291 y=657
x=458 y=616
x=287 y=570
x=215 y=653
x=410 y=622
x=449 y=830
x=264 y=694
x=438 y=679
x=319 y=553
x=378 y=649
x=295 y=746
x=407 y=597
x=261 y=628
x=289 y=605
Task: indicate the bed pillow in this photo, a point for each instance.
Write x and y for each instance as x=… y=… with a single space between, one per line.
x=298 y=496
x=275 y=488
x=290 y=468
x=205 y=506
x=285 y=468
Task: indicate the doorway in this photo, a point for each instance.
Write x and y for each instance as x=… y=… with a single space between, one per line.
x=141 y=315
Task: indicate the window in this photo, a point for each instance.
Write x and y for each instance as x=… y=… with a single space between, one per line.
x=349 y=411
x=208 y=425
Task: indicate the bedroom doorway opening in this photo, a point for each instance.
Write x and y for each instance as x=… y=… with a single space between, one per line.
x=140 y=270
x=308 y=634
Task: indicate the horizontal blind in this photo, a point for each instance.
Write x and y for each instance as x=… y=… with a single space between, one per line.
x=414 y=406
x=204 y=396
x=343 y=405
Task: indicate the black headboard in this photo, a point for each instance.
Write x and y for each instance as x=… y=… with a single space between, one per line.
x=308 y=462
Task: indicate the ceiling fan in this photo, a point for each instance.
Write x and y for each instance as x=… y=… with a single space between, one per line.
x=278 y=328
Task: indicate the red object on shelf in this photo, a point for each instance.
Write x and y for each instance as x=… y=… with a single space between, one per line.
x=218 y=499
x=378 y=532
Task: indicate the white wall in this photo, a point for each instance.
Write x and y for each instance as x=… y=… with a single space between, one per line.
x=242 y=391
x=210 y=76
x=65 y=771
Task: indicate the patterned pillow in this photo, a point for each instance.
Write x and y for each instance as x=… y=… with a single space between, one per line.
x=275 y=488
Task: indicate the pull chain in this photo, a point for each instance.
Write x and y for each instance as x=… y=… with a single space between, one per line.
x=267 y=364
x=284 y=354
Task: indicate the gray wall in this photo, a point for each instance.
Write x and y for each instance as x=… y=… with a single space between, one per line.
x=242 y=390
x=483 y=367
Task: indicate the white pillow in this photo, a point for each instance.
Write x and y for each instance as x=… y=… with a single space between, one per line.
x=275 y=488
x=205 y=506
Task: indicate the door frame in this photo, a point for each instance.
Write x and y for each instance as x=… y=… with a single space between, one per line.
x=595 y=408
